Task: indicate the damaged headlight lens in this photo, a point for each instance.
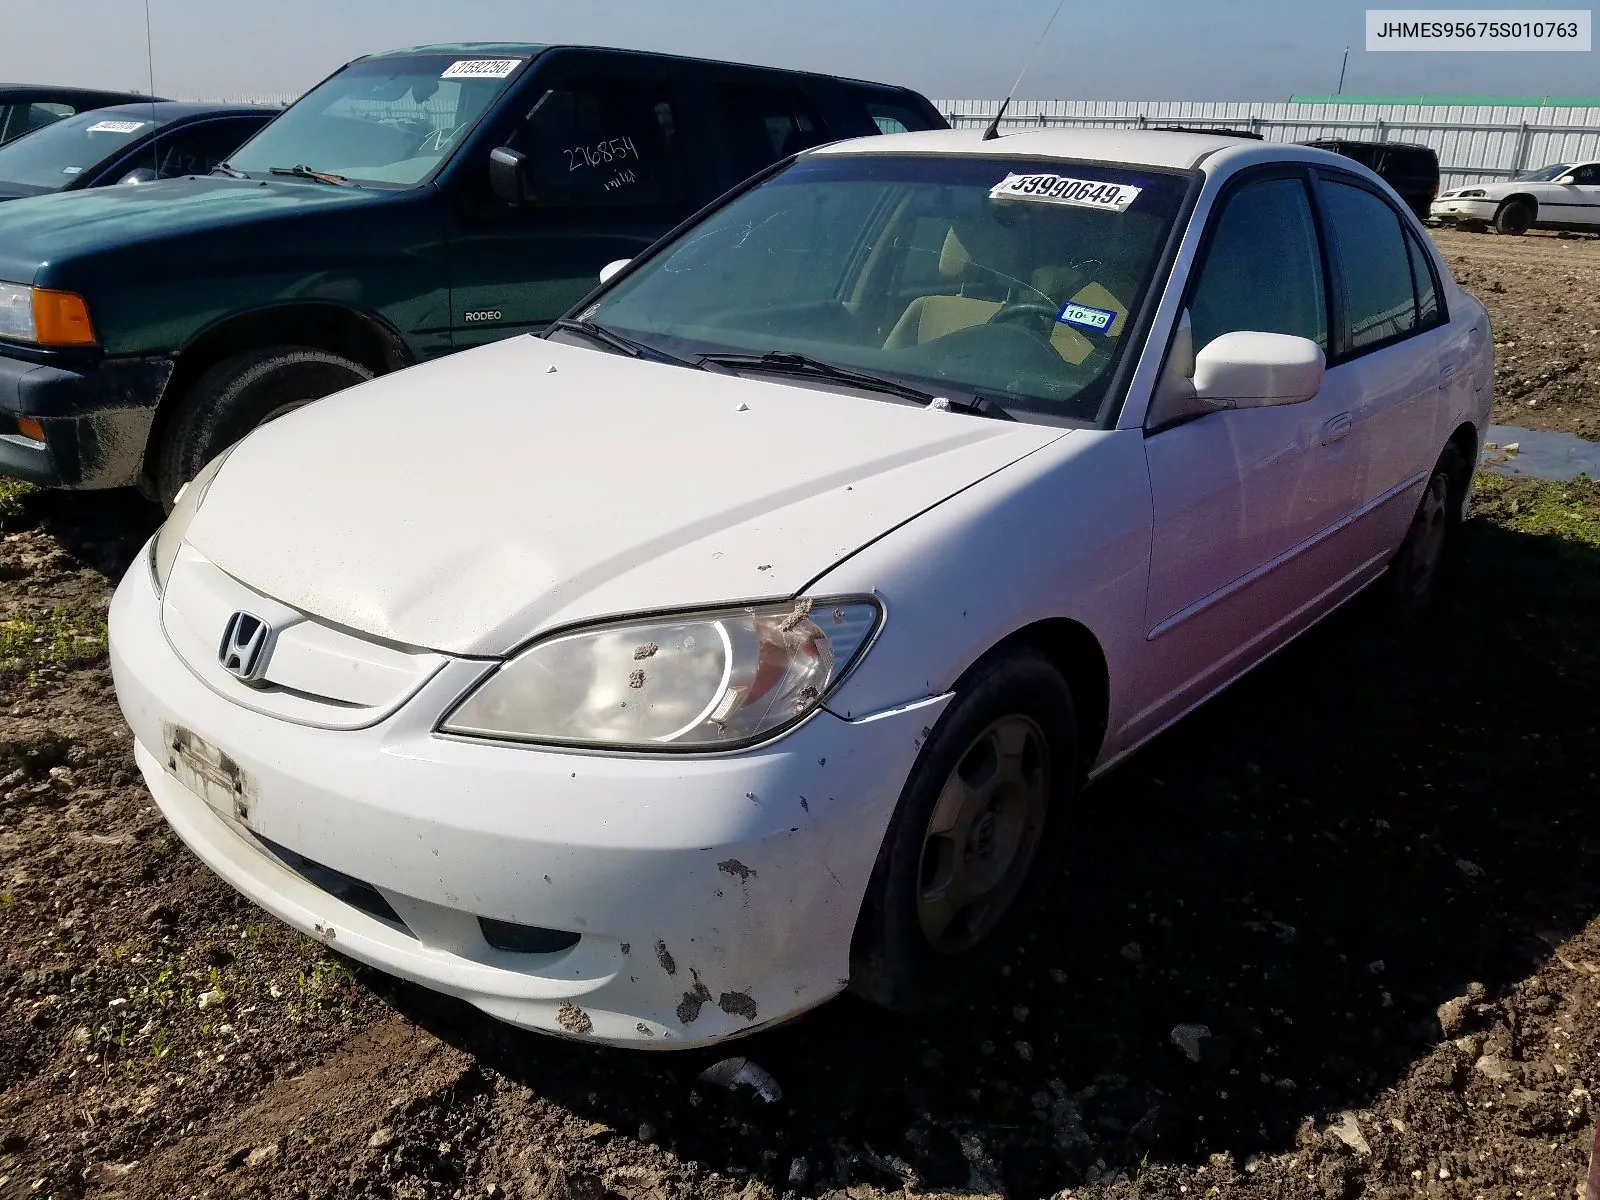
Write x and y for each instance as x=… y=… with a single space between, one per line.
x=176 y=527
x=695 y=682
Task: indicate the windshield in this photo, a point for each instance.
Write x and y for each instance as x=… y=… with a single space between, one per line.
x=50 y=158
x=1003 y=279
x=382 y=121
x=1545 y=174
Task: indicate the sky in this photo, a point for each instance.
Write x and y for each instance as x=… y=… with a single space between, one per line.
x=946 y=49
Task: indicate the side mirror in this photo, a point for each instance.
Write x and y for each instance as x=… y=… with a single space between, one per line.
x=1569 y=177
x=508 y=175
x=141 y=175
x=612 y=267
x=1257 y=370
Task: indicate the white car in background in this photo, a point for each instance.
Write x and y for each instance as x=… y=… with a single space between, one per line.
x=1559 y=196
x=747 y=637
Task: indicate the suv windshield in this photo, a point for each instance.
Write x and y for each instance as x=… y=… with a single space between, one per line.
x=1004 y=279
x=1545 y=174
x=385 y=122
x=50 y=158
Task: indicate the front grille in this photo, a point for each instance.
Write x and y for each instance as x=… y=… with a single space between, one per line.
x=354 y=892
x=525 y=939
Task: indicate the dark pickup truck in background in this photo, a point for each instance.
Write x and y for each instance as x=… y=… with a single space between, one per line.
x=144 y=329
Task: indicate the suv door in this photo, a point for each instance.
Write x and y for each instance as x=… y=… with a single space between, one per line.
x=1247 y=503
x=614 y=161
x=762 y=119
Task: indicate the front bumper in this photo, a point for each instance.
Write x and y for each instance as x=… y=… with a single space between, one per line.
x=1451 y=211
x=713 y=894
x=96 y=420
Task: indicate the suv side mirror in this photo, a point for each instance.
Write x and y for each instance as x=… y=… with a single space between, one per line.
x=508 y=175
x=1247 y=369
x=612 y=267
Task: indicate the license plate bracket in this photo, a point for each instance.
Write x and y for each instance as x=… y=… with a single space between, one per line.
x=210 y=773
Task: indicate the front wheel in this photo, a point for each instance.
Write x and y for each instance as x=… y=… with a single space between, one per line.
x=1514 y=217
x=240 y=393
x=976 y=836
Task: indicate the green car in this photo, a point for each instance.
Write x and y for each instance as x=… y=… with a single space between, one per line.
x=412 y=204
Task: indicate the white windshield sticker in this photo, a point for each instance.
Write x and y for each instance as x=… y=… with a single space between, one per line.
x=116 y=126
x=481 y=68
x=1086 y=316
x=1060 y=189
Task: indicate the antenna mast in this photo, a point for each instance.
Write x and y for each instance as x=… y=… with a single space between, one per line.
x=150 y=64
x=993 y=131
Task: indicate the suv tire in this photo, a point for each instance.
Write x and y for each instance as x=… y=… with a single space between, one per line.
x=240 y=393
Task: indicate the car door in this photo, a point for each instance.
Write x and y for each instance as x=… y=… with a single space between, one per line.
x=1582 y=196
x=1391 y=343
x=614 y=158
x=1247 y=504
x=762 y=119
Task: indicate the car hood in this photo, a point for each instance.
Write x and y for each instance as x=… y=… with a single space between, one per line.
x=469 y=504
x=59 y=226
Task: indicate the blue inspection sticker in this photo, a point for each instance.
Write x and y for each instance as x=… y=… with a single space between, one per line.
x=1086 y=317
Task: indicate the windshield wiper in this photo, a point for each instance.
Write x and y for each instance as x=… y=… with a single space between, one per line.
x=619 y=343
x=228 y=169
x=981 y=406
x=304 y=172
x=782 y=362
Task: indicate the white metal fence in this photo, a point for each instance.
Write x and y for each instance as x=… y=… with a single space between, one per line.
x=1473 y=142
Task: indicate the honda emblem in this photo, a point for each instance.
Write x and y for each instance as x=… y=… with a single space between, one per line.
x=245 y=646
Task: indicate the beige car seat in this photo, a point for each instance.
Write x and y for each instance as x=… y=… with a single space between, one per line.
x=929 y=317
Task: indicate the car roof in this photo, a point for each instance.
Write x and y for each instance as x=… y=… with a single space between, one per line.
x=529 y=49
x=10 y=92
x=178 y=110
x=1137 y=147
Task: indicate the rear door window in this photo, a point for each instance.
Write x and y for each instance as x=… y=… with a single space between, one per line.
x=1375 y=261
x=608 y=142
x=763 y=123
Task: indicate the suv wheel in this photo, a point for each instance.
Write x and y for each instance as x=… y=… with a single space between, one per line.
x=240 y=393
x=1513 y=217
x=975 y=838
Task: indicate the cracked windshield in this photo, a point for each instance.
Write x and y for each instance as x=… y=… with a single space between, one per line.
x=1003 y=280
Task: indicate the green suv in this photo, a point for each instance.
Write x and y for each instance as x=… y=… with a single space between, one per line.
x=412 y=204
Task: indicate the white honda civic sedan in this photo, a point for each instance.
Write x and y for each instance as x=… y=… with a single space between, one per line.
x=749 y=635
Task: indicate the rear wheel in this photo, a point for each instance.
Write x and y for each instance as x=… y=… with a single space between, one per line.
x=977 y=835
x=1425 y=553
x=240 y=393
x=1514 y=217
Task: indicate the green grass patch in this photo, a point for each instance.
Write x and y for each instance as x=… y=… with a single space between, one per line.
x=56 y=639
x=1568 y=511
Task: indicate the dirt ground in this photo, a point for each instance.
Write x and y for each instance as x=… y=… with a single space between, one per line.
x=1542 y=294
x=1338 y=935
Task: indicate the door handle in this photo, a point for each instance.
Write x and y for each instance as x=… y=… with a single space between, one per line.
x=1335 y=428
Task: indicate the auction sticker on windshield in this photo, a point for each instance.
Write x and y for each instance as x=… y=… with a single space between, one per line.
x=1060 y=189
x=1085 y=316
x=481 y=68
x=116 y=126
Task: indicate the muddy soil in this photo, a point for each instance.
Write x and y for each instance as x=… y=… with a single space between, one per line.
x=1543 y=294
x=1337 y=935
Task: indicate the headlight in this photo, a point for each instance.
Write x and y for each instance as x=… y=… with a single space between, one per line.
x=694 y=682
x=176 y=528
x=1470 y=193
x=44 y=317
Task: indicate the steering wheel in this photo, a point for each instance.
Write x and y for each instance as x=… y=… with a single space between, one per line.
x=1036 y=318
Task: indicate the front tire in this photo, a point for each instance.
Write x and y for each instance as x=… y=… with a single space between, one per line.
x=240 y=393
x=1514 y=217
x=976 y=837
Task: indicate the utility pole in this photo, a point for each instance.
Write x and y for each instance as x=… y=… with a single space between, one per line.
x=1342 y=66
